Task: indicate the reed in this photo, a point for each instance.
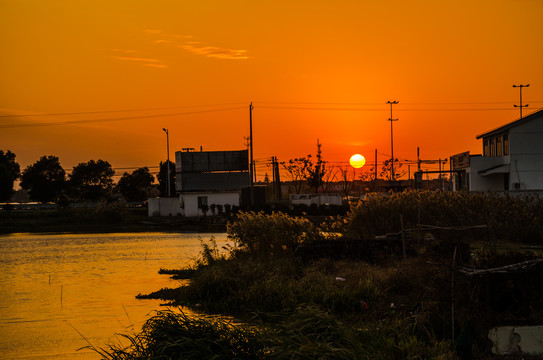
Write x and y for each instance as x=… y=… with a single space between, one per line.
x=304 y=333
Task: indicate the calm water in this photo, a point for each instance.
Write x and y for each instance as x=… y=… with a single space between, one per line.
x=55 y=289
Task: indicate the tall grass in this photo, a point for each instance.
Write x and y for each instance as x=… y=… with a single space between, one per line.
x=305 y=333
x=175 y=335
x=262 y=234
x=514 y=219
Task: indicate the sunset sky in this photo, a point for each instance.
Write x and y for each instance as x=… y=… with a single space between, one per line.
x=117 y=72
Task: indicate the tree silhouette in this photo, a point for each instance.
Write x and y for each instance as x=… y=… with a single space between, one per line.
x=9 y=172
x=92 y=180
x=297 y=171
x=387 y=165
x=135 y=186
x=45 y=179
x=163 y=178
x=346 y=185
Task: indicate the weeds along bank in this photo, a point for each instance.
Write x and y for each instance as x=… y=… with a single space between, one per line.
x=339 y=308
x=514 y=219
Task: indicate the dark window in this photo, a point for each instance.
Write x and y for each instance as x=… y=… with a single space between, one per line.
x=485 y=147
x=506 y=144
x=202 y=201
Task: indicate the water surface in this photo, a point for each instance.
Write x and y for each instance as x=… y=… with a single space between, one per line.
x=59 y=291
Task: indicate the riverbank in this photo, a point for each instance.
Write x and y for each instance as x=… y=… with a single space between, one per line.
x=100 y=220
x=364 y=290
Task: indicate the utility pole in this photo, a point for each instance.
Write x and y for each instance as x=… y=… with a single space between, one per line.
x=319 y=163
x=375 y=164
x=392 y=140
x=521 y=106
x=251 y=169
x=277 y=180
x=168 y=150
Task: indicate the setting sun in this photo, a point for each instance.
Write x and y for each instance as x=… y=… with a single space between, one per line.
x=357 y=161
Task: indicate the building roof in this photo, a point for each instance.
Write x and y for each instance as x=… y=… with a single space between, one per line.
x=506 y=127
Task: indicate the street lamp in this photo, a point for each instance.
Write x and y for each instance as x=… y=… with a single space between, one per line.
x=168 y=164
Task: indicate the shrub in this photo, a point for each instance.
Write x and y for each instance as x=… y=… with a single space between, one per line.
x=515 y=219
x=270 y=234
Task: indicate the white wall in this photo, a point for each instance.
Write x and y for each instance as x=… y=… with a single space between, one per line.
x=488 y=183
x=526 y=144
x=164 y=207
x=320 y=199
x=189 y=201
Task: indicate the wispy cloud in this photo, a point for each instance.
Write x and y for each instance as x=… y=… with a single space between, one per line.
x=216 y=52
x=173 y=42
x=140 y=60
x=188 y=43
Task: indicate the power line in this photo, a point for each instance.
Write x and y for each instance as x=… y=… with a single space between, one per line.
x=373 y=104
x=74 y=122
x=380 y=109
x=117 y=111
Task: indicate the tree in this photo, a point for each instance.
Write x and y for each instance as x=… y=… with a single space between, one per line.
x=9 y=172
x=163 y=178
x=135 y=186
x=398 y=171
x=368 y=179
x=92 y=180
x=345 y=184
x=297 y=171
x=45 y=179
x=316 y=173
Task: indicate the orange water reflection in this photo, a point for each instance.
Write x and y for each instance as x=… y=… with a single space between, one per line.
x=57 y=289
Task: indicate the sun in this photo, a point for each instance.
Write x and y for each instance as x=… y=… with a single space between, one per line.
x=357 y=161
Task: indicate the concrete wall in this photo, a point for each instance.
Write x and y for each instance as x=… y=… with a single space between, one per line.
x=488 y=183
x=521 y=339
x=320 y=199
x=164 y=207
x=189 y=201
x=526 y=144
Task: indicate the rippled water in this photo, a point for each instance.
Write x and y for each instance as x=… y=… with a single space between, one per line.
x=59 y=291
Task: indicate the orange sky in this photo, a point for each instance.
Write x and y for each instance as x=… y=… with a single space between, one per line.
x=313 y=70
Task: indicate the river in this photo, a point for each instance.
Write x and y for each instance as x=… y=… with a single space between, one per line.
x=60 y=292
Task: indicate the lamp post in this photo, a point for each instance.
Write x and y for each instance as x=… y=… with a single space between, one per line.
x=168 y=150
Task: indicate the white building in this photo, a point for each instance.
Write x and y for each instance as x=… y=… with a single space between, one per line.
x=206 y=178
x=512 y=159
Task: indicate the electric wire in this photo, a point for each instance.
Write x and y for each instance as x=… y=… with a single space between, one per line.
x=118 y=111
x=75 y=122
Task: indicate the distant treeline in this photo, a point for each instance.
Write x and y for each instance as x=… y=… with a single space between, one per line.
x=47 y=181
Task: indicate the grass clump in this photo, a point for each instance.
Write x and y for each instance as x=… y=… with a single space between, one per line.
x=175 y=335
x=261 y=234
x=308 y=332
x=514 y=219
